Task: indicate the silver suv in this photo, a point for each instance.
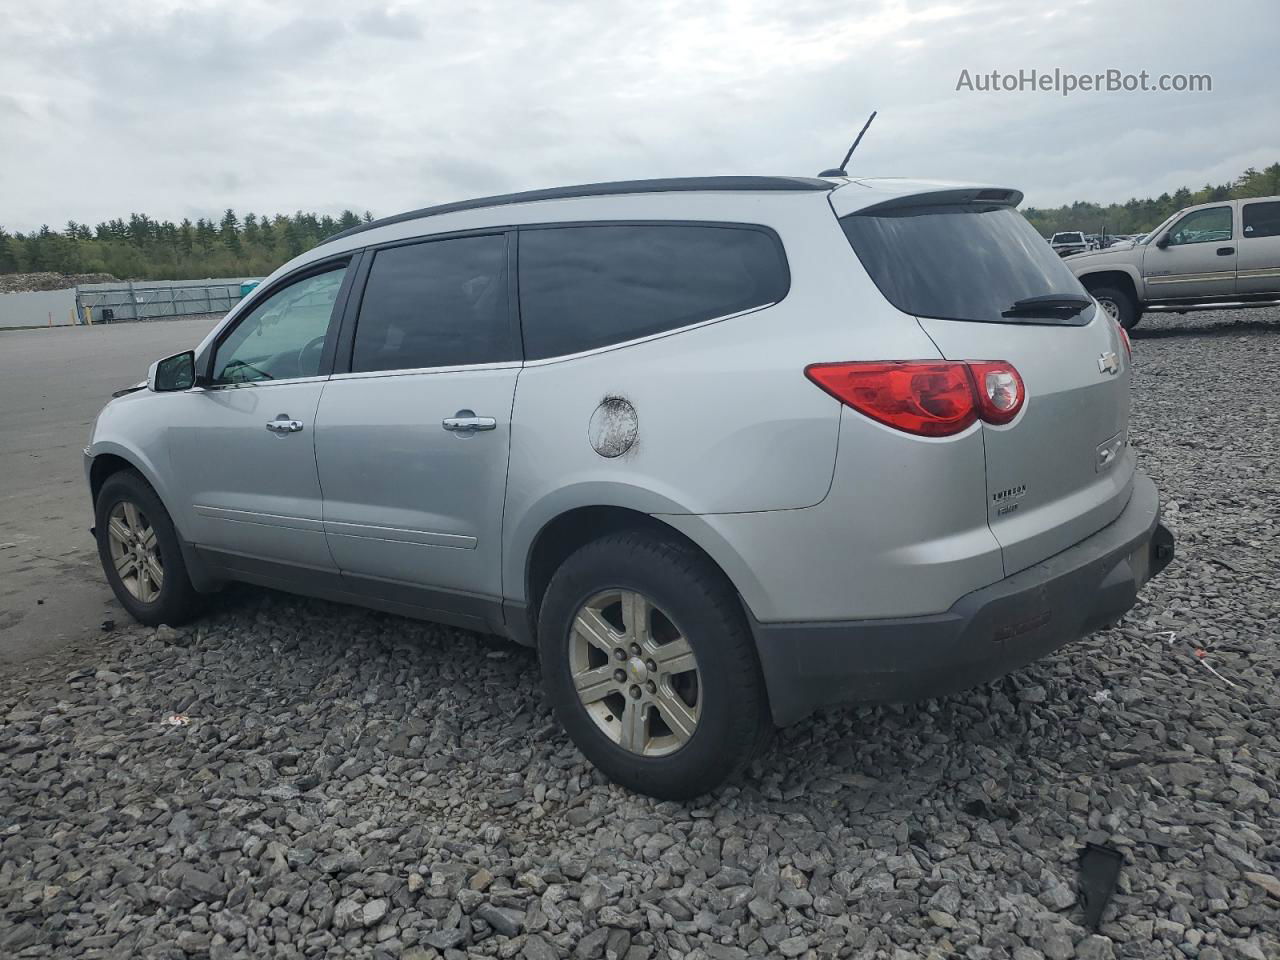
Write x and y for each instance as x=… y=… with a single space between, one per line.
x=725 y=450
x=1222 y=255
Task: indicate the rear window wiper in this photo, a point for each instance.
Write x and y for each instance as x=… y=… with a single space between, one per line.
x=1049 y=303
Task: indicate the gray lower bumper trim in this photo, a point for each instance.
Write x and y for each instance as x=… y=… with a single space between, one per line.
x=984 y=635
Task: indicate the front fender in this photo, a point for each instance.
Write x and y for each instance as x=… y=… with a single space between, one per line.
x=133 y=429
x=137 y=459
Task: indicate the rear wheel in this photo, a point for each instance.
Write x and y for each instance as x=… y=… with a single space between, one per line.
x=650 y=666
x=140 y=553
x=1118 y=305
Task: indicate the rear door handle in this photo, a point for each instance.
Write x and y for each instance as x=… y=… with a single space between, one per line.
x=465 y=421
x=282 y=425
x=1226 y=251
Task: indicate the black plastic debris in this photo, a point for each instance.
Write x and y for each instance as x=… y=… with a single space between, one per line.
x=1099 y=871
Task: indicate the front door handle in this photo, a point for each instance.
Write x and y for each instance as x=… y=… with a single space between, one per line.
x=465 y=421
x=1226 y=251
x=282 y=425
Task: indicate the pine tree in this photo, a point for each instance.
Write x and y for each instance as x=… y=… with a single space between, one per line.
x=229 y=231
x=8 y=260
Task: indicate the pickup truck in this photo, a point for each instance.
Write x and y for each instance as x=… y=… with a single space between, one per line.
x=1213 y=256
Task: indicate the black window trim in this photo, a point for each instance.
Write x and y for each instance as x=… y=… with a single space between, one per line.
x=345 y=341
x=351 y=260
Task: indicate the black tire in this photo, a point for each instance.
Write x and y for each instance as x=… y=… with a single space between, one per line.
x=1127 y=312
x=177 y=600
x=734 y=723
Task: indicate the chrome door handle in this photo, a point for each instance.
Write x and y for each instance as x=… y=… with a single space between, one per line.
x=468 y=422
x=283 y=424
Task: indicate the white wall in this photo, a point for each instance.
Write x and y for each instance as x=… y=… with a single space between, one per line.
x=34 y=309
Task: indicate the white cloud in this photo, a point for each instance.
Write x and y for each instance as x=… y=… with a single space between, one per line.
x=185 y=108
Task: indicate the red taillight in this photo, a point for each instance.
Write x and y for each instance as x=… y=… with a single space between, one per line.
x=930 y=398
x=1124 y=336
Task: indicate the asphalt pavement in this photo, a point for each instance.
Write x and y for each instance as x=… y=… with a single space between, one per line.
x=52 y=384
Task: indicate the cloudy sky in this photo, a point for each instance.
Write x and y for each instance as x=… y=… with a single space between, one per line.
x=185 y=107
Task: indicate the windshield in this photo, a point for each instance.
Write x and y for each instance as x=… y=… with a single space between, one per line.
x=963 y=262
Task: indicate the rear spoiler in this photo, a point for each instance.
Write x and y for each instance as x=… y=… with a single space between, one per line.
x=848 y=200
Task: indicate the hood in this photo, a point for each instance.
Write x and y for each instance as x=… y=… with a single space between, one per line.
x=1117 y=253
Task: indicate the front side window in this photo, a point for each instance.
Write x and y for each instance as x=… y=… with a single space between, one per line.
x=283 y=337
x=583 y=287
x=1203 y=226
x=1261 y=220
x=436 y=304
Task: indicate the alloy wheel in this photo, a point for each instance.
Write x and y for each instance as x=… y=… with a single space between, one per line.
x=1110 y=308
x=635 y=673
x=135 y=551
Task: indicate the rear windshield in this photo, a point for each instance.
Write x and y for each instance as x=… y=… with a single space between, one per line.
x=960 y=262
x=1068 y=238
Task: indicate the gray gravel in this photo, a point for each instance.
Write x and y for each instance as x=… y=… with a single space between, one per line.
x=352 y=784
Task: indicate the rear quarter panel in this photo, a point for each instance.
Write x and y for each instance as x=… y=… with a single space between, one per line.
x=727 y=422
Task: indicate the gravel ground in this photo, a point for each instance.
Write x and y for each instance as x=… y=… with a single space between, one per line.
x=352 y=784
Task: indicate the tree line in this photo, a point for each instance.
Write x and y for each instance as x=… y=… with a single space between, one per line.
x=1142 y=215
x=141 y=248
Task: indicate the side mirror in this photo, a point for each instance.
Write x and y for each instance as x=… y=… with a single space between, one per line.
x=173 y=373
x=1163 y=242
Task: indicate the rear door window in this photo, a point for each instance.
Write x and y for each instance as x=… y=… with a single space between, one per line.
x=583 y=287
x=436 y=304
x=1261 y=220
x=959 y=261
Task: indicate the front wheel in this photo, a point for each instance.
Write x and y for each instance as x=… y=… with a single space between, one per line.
x=1118 y=305
x=140 y=553
x=650 y=667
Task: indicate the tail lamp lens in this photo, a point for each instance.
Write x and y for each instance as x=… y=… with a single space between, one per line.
x=1124 y=337
x=929 y=398
x=1000 y=390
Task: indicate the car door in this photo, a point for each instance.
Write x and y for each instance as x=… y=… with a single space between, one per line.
x=1258 y=262
x=413 y=431
x=242 y=444
x=1194 y=257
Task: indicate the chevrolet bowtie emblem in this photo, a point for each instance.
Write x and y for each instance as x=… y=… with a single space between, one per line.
x=1109 y=363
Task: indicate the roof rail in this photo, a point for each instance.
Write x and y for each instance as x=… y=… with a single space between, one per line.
x=614 y=188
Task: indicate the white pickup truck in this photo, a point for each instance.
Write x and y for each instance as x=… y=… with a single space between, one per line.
x=1209 y=257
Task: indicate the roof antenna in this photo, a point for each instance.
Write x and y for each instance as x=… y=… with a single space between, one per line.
x=841 y=171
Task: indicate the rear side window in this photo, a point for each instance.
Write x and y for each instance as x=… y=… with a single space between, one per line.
x=958 y=261
x=436 y=304
x=1261 y=220
x=591 y=286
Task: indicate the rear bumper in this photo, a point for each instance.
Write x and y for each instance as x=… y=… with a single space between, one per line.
x=984 y=634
